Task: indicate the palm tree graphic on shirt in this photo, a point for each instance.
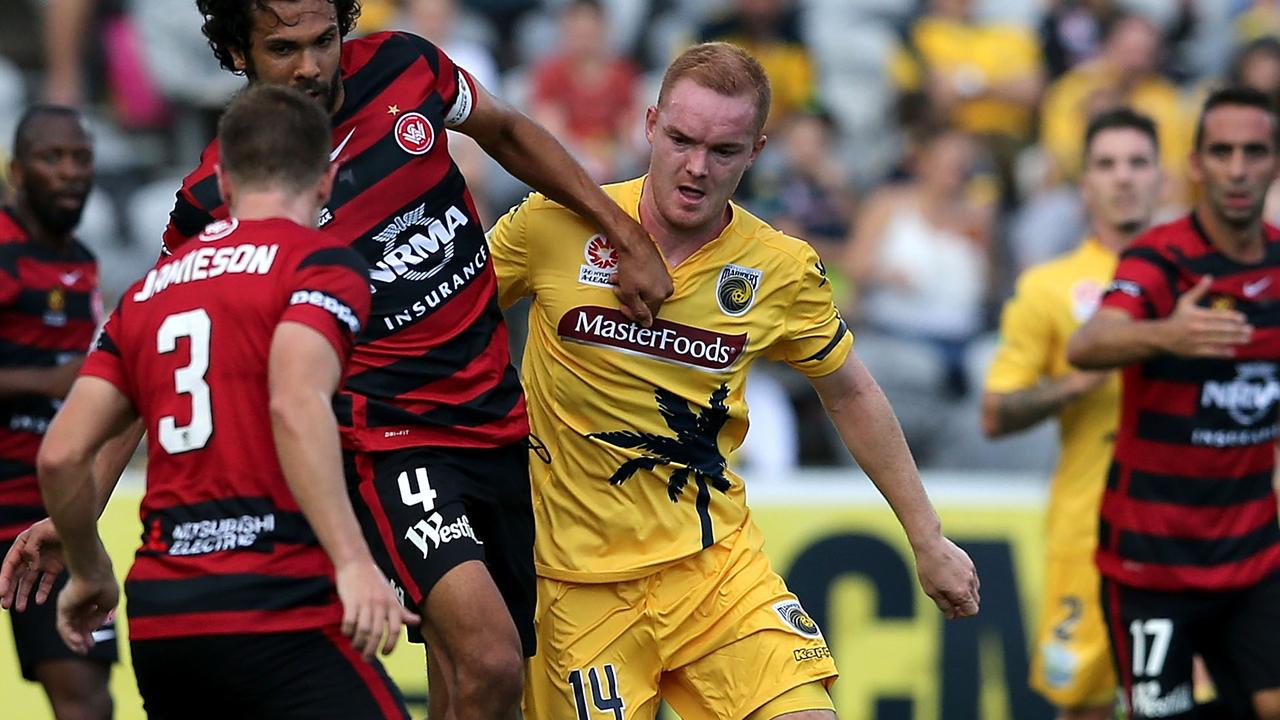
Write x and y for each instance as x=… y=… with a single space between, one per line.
x=693 y=451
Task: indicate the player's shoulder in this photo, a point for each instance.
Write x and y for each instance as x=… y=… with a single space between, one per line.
x=1177 y=237
x=387 y=49
x=12 y=235
x=770 y=246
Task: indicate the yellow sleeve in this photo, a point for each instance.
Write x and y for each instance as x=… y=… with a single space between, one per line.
x=1026 y=333
x=816 y=341
x=509 y=246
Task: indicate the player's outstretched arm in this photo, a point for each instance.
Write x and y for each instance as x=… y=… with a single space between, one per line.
x=54 y=382
x=1009 y=412
x=304 y=372
x=1111 y=338
x=530 y=153
x=871 y=431
x=94 y=412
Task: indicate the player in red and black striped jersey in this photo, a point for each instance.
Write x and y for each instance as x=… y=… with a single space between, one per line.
x=432 y=413
x=49 y=312
x=229 y=352
x=1189 y=546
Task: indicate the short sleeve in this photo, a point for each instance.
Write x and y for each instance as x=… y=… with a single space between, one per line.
x=1145 y=284
x=1022 y=355
x=105 y=359
x=329 y=292
x=509 y=246
x=816 y=341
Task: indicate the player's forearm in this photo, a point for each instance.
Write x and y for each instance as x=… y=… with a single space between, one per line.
x=306 y=437
x=72 y=505
x=534 y=156
x=871 y=432
x=1103 y=343
x=46 y=381
x=1004 y=413
x=112 y=459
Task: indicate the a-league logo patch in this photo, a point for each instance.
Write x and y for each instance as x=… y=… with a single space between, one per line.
x=795 y=618
x=414 y=133
x=736 y=289
x=601 y=262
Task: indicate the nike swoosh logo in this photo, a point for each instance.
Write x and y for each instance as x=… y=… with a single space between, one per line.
x=1257 y=286
x=333 y=156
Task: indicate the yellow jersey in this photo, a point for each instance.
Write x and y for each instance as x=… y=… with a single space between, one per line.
x=1051 y=301
x=638 y=421
x=980 y=53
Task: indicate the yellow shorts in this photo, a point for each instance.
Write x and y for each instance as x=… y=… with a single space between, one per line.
x=717 y=635
x=1071 y=666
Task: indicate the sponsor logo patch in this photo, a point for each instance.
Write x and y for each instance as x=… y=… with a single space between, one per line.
x=795 y=618
x=667 y=341
x=736 y=289
x=813 y=653
x=414 y=133
x=219 y=229
x=1085 y=297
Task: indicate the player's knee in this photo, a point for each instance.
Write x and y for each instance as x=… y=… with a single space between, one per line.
x=497 y=675
x=91 y=705
x=1266 y=703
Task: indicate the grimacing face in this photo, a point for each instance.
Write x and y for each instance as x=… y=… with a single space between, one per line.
x=1122 y=179
x=1236 y=162
x=55 y=173
x=702 y=142
x=296 y=44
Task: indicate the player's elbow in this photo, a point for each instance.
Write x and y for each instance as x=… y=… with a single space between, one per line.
x=1083 y=352
x=992 y=428
x=289 y=410
x=59 y=457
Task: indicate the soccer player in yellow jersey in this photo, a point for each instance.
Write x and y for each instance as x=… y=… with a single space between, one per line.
x=1031 y=381
x=652 y=581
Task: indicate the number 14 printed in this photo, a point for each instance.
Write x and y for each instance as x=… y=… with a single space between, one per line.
x=610 y=705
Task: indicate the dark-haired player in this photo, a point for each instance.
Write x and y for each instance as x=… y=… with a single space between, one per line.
x=252 y=566
x=48 y=314
x=1188 y=543
x=432 y=412
x=1031 y=381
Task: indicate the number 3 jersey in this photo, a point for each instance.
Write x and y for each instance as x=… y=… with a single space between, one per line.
x=639 y=421
x=225 y=548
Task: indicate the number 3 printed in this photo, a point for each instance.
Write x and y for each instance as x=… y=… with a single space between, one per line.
x=188 y=380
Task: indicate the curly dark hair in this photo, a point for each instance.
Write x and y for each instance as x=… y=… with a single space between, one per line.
x=227 y=23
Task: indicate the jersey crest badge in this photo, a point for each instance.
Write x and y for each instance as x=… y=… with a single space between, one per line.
x=414 y=133
x=601 y=262
x=736 y=289
x=796 y=619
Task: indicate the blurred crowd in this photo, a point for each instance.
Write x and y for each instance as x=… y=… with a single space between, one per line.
x=928 y=149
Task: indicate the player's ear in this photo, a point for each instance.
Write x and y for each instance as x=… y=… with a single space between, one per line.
x=324 y=188
x=225 y=186
x=238 y=59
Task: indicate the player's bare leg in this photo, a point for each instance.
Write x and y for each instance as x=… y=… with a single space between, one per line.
x=439 y=678
x=466 y=621
x=1097 y=712
x=1266 y=703
x=77 y=689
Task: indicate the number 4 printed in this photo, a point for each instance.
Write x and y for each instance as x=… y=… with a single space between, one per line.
x=611 y=704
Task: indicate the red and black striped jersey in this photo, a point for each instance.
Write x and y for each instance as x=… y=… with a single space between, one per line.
x=432 y=367
x=1189 y=503
x=49 y=311
x=225 y=548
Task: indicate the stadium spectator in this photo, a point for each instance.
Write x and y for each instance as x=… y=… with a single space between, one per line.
x=982 y=77
x=1125 y=73
x=770 y=31
x=49 y=311
x=652 y=580
x=588 y=96
x=246 y=622
x=919 y=258
x=1071 y=32
x=1030 y=381
x=1188 y=543
x=432 y=412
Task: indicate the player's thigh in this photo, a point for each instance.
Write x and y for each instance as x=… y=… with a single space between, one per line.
x=597 y=658
x=1154 y=638
x=304 y=674
x=1071 y=666
x=466 y=619
x=36 y=638
x=747 y=643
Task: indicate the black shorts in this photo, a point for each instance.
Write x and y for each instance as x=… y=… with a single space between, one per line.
x=1154 y=636
x=426 y=510
x=35 y=632
x=304 y=674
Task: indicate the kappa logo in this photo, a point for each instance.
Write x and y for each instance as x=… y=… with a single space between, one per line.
x=736 y=289
x=414 y=133
x=601 y=262
x=795 y=618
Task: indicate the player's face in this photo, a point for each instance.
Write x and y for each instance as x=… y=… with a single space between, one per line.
x=296 y=43
x=702 y=142
x=1236 y=162
x=55 y=174
x=1122 y=179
